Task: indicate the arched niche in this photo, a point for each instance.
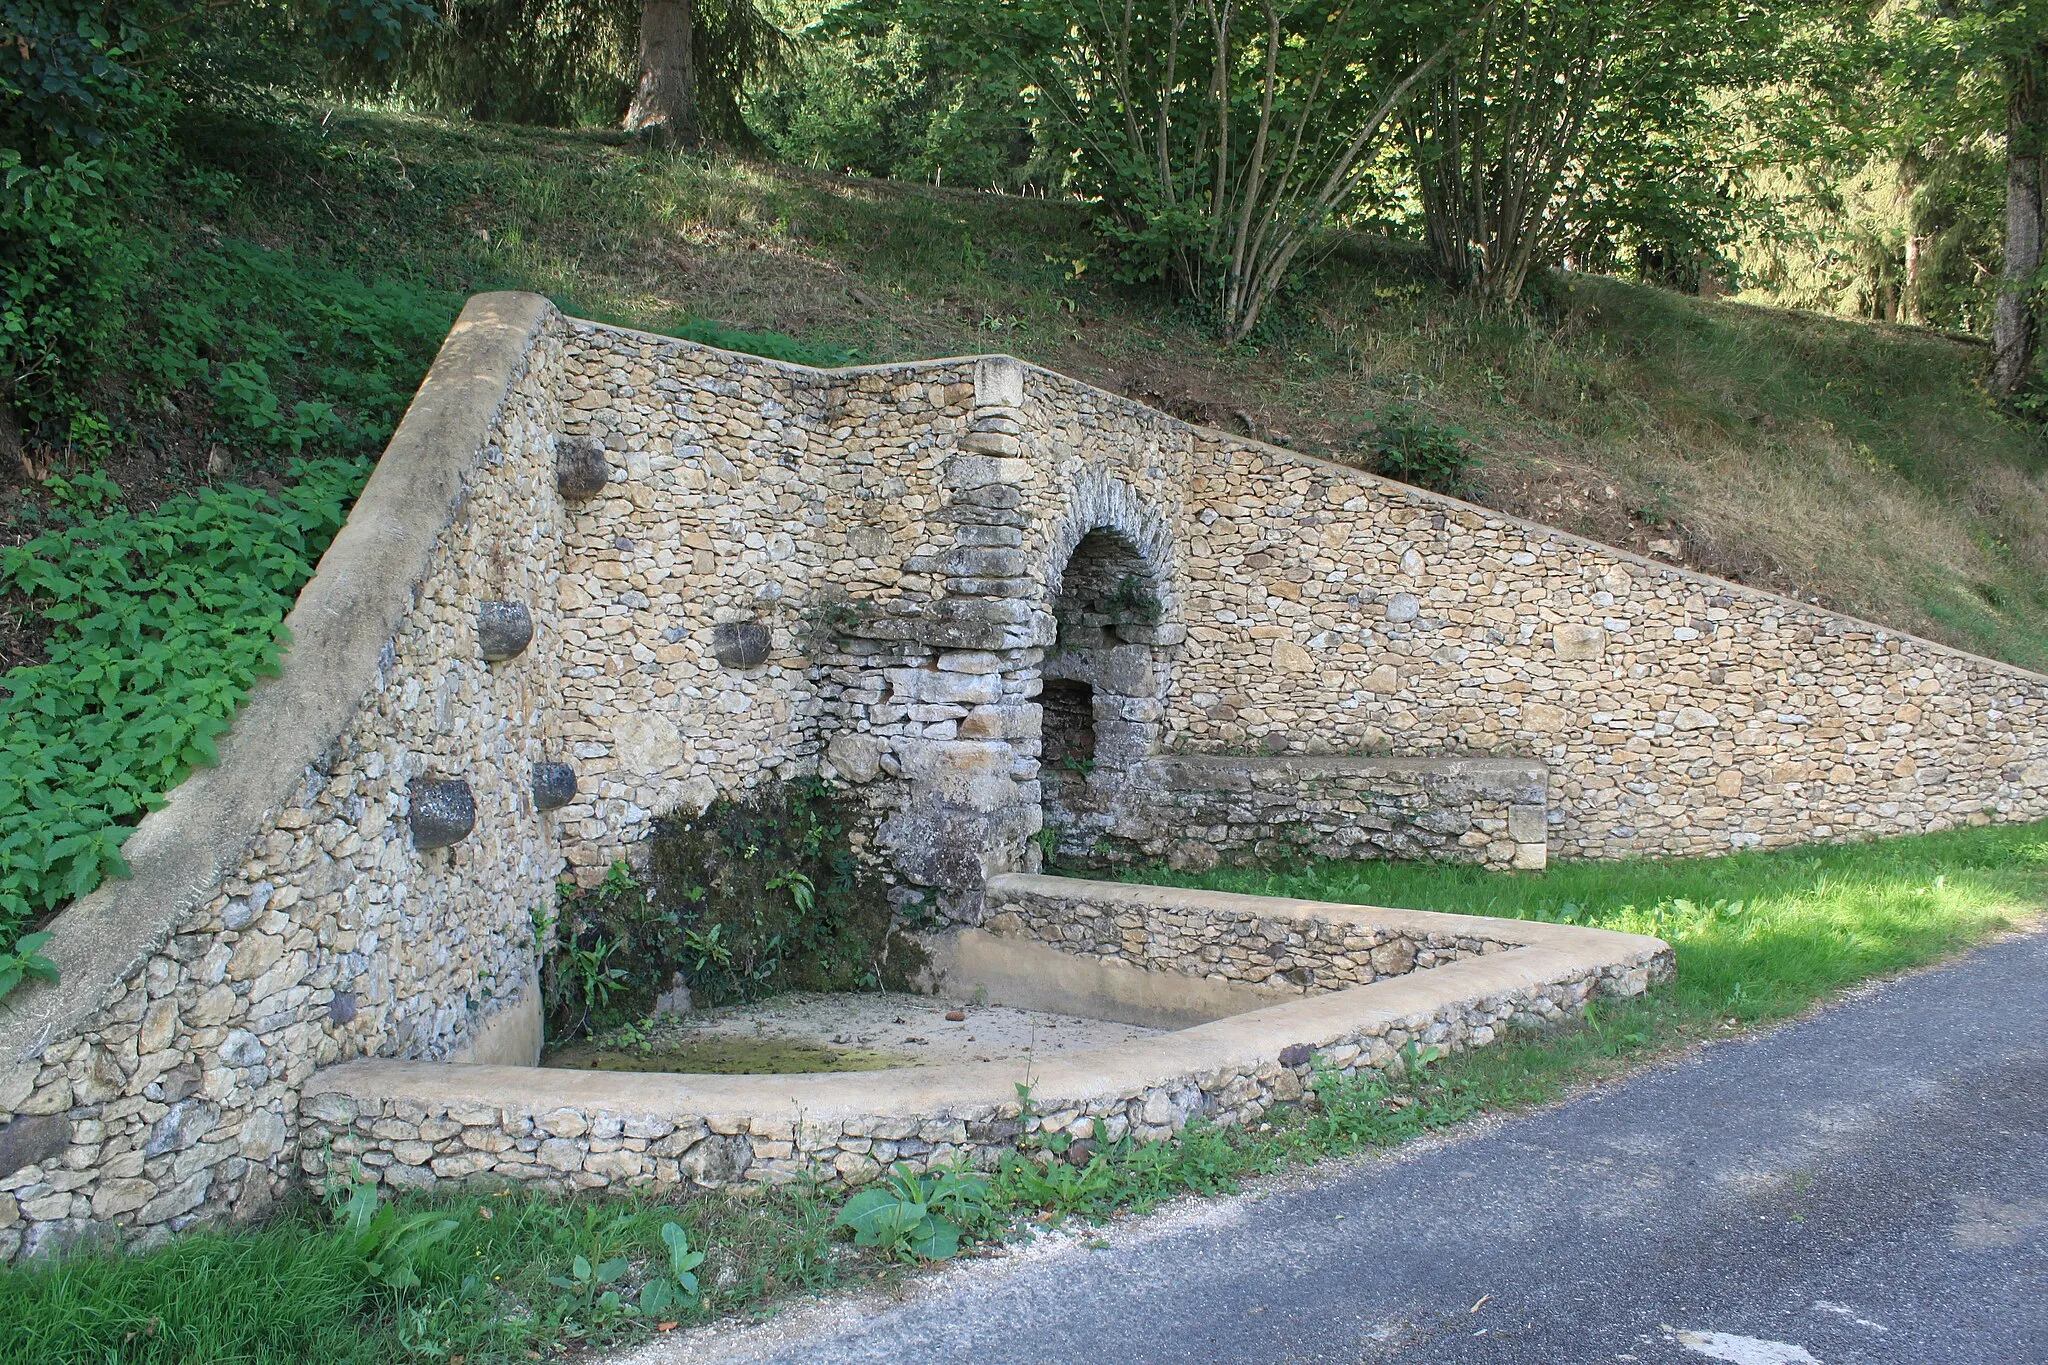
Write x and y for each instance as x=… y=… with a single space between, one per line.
x=1105 y=679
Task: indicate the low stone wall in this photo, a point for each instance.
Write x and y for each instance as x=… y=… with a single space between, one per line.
x=1196 y=811
x=412 y=1125
x=1311 y=946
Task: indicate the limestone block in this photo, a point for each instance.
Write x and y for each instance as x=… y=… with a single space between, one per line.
x=1579 y=643
x=984 y=470
x=1539 y=715
x=1384 y=680
x=856 y=758
x=1526 y=824
x=1292 y=658
x=998 y=383
x=32 y=1140
x=647 y=742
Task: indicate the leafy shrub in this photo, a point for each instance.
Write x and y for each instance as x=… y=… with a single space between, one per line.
x=756 y=895
x=1407 y=446
x=161 y=623
x=917 y=1217
x=385 y=1244
x=289 y=354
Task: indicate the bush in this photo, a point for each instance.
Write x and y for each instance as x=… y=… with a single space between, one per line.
x=162 y=622
x=1407 y=446
x=755 y=896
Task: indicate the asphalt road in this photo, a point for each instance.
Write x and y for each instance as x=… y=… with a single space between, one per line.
x=1867 y=1187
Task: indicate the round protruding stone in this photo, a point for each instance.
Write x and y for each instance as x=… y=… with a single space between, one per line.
x=554 y=785
x=741 y=644
x=581 y=470
x=443 y=812
x=503 y=629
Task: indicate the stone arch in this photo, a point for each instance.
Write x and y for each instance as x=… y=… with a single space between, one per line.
x=1107 y=664
x=1103 y=503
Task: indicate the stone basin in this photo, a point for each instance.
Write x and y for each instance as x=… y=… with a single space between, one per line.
x=1243 y=1002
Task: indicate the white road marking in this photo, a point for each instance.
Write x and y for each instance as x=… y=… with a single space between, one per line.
x=1823 y=1306
x=1742 y=1350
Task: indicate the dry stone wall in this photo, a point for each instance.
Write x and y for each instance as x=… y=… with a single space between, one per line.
x=1259 y=940
x=414 y=1126
x=1193 y=812
x=171 y=1091
x=1329 y=611
x=728 y=570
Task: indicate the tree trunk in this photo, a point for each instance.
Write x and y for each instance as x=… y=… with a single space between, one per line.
x=665 y=103
x=2015 y=327
x=1909 y=299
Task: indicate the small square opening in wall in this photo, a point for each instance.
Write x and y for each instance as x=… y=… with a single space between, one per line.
x=1069 y=708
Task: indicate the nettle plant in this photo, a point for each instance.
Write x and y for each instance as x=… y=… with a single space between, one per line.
x=161 y=623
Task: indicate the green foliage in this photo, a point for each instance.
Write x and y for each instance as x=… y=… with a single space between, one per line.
x=871 y=94
x=385 y=1245
x=1134 y=602
x=1403 y=444
x=1759 y=936
x=753 y=896
x=25 y=960
x=767 y=893
x=565 y=62
x=161 y=623
x=916 y=1217
x=679 y=1288
x=295 y=1291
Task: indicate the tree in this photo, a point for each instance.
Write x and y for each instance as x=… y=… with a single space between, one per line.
x=2015 y=319
x=665 y=99
x=1566 y=123
x=1224 y=139
x=569 y=62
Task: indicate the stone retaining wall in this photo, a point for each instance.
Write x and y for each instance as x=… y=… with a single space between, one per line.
x=661 y=572
x=160 y=1082
x=1259 y=940
x=412 y=1125
x=1194 y=812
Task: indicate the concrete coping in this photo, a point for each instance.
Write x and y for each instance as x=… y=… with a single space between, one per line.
x=1247 y=1043
x=344 y=620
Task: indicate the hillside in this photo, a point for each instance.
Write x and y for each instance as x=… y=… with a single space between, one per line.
x=1848 y=463
x=304 y=267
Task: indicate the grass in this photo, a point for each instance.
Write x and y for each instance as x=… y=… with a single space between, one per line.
x=1759 y=937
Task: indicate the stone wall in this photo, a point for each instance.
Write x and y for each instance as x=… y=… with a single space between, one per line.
x=734 y=570
x=1258 y=940
x=412 y=1125
x=1194 y=812
x=160 y=1082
